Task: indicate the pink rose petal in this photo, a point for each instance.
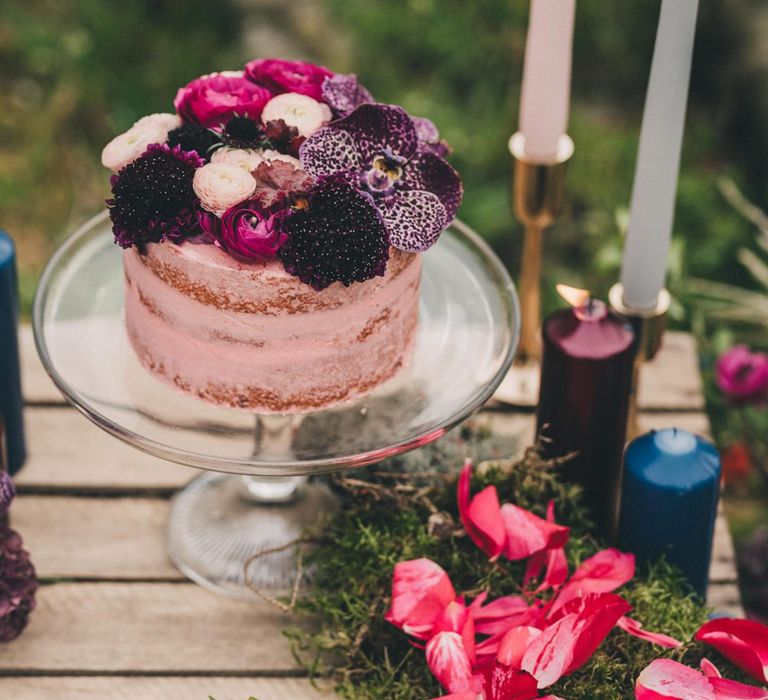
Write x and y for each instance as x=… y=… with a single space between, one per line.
x=744 y=642
x=421 y=591
x=664 y=679
x=481 y=516
x=635 y=628
x=508 y=683
x=450 y=664
x=709 y=669
x=514 y=645
x=733 y=690
x=603 y=572
x=527 y=533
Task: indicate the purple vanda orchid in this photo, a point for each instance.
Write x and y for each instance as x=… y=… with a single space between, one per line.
x=376 y=149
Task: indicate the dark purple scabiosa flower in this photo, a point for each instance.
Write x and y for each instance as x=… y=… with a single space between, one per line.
x=336 y=235
x=242 y=132
x=376 y=149
x=194 y=137
x=152 y=197
x=250 y=231
x=18 y=585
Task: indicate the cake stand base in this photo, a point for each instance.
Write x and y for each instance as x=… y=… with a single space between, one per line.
x=219 y=521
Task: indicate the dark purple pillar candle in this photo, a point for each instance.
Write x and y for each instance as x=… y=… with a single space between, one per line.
x=586 y=380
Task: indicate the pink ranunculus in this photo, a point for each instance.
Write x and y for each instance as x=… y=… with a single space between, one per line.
x=665 y=679
x=288 y=76
x=213 y=99
x=421 y=592
x=743 y=375
x=743 y=642
x=249 y=231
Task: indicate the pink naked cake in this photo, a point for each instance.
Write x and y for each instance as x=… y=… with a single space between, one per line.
x=272 y=230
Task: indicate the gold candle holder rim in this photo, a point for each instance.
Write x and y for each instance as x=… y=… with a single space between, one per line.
x=616 y=298
x=565 y=149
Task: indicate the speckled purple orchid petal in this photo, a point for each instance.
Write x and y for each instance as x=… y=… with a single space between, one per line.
x=328 y=151
x=343 y=93
x=376 y=129
x=425 y=129
x=414 y=220
x=430 y=172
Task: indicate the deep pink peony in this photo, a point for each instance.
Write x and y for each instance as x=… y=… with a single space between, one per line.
x=213 y=99
x=743 y=375
x=251 y=232
x=288 y=76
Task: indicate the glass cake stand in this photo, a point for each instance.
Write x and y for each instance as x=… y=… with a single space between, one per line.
x=255 y=495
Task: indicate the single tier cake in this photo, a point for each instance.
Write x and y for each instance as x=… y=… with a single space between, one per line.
x=272 y=229
x=254 y=336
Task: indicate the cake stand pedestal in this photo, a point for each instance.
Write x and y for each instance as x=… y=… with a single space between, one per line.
x=256 y=496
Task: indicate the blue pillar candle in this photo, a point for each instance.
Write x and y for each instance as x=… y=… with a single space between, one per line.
x=10 y=371
x=670 y=490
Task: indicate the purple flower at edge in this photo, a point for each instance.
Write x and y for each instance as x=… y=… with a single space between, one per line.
x=743 y=375
x=7 y=492
x=376 y=148
x=18 y=584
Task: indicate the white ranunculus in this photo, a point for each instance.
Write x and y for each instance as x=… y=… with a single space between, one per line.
x=245 y=158
x=161 y=120
x=271 y=155
x=127 y=147
x=301 y=111
x=220 y=186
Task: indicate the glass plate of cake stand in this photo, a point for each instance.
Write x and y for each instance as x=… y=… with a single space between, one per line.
x=257 y=491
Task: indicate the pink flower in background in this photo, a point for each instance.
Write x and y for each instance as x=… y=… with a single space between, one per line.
x=665 y=679
x=288 y=76
x=212 y=99
x=743 y=375
x=743 y=642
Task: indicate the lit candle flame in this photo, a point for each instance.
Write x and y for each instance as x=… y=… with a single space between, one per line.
x=573 y=295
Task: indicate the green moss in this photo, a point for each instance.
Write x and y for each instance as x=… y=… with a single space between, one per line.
x=386 y=521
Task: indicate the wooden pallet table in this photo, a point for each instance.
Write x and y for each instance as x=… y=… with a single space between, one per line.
x=116 y=619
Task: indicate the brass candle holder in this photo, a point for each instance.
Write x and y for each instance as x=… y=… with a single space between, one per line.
x=537 y=196
x=649 y=325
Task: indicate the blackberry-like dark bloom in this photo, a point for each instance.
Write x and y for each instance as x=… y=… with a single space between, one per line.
x=242 y=132
x=18 y=584
x=194 y=137
x=338 y=236
x=7 y=492
x=153 y=197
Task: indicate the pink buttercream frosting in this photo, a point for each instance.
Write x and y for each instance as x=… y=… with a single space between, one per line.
x=254 y=337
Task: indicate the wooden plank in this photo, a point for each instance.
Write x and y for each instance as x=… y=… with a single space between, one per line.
x=725 y=599
x=110 y=538
x=173 y=688
x=37 y=385
x=171 y=628
x=67 y=451
x=722 y=567
x=672 y=381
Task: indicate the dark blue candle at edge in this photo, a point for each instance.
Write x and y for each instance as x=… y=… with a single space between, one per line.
x=670 y=491
x=11 y=404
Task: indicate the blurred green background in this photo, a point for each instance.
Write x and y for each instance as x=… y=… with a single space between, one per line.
x=73 y=73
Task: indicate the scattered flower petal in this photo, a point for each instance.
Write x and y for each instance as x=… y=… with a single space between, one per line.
x=635 y=628
x=665 y=679
x=481 y=515
x=450 y=664
x=743 y=642
x=528 y=534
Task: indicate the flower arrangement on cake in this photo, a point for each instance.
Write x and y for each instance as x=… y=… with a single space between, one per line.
x=281 y=207
x=493 y=587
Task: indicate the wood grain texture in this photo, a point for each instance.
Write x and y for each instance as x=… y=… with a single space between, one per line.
x=173 y=688
x=67 y=451
x=173 y=628
x=98 y=538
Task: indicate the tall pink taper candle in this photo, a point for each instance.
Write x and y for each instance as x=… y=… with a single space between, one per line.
x=658 y=159
x=546 y=85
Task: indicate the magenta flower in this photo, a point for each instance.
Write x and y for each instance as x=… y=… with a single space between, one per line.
x=213 y=99
x=250 y=231
x=743 y=375
x=376 y=148
x=288 y=76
